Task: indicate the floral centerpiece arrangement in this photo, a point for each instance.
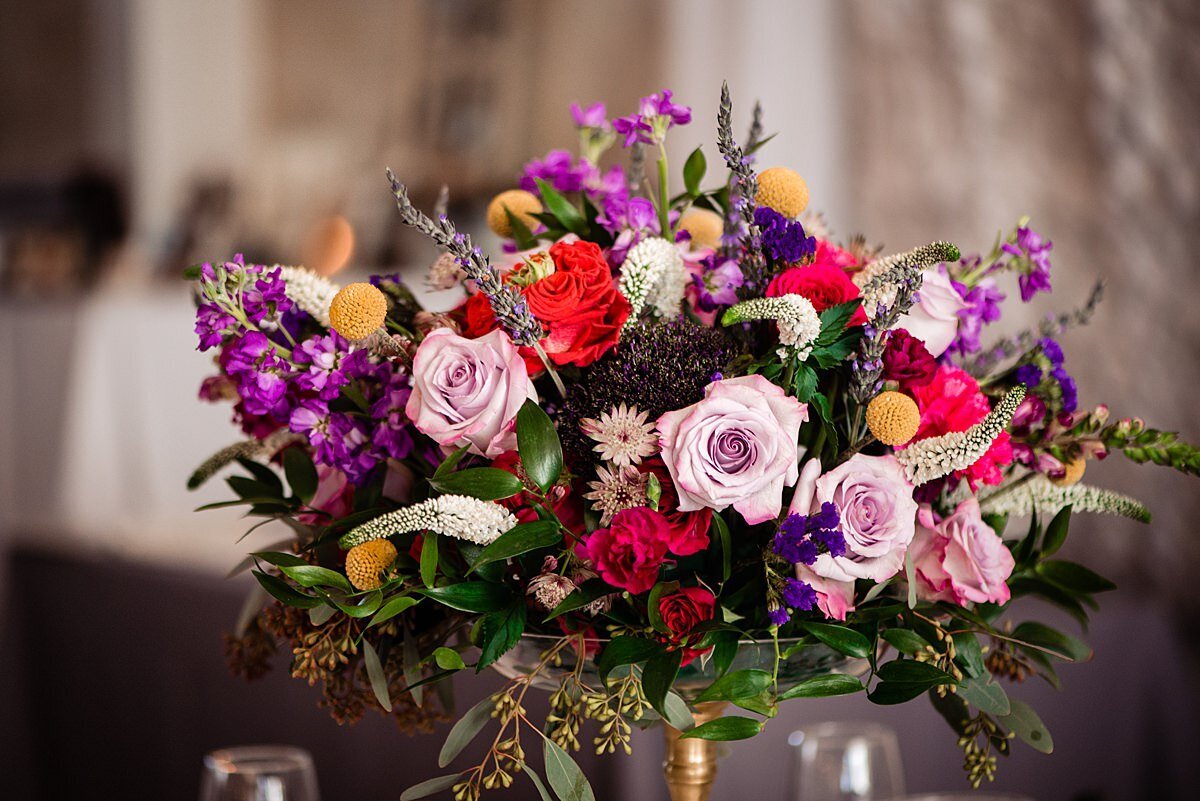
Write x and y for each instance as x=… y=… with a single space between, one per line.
x=672 y=451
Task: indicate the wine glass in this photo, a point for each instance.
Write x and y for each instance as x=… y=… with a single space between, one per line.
x=847 y=761
x=972 y=796
x=259 y=773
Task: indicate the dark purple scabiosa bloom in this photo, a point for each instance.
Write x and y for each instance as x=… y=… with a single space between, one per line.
x=783 y=240
x=1032 y=257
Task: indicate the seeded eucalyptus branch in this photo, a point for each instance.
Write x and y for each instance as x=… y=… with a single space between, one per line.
x=1142 y=444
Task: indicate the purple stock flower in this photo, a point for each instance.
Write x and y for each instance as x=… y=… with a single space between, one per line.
x=628 y=214
x=393 y=432
x=265 y=300
x=661 y=105
x=783 y=240
x=717 y=283
x=1033 y=257
x=983 y=307
x=656 y=114
x=594 y=116
x=799 y=595
x=560 y=170
x=329 y=365
x=212 y=323
x=260 y=374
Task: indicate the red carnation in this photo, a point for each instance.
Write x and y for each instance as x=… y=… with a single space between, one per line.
x=907 y=361
x=689 y=530
x=630 y=551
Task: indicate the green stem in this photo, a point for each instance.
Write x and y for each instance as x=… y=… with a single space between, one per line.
x=664 y=199
x=558 y=383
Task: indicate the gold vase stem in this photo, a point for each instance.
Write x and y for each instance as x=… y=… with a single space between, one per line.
x=691 y=765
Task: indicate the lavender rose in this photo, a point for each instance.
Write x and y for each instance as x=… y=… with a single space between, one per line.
x=961 y=559
x=878 y=516
x=735 y=447
x=933 y=319
x=468 y=391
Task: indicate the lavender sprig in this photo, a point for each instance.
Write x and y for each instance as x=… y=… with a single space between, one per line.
x=1052 y=327
x=733 y=226
x=754 y=266
x=507 y=303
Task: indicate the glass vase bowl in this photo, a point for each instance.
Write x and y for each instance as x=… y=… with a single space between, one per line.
x=815 y=659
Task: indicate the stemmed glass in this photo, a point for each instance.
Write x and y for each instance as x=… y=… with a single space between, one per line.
x=259 y=773
x=847 y=761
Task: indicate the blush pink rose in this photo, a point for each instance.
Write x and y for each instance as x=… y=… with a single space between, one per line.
x=630 y=551
x=735 y=447
x=468 y=391
x=878 y=517
x=334 y=498
x=835 y=598
x=933 y=319
x=961 y=559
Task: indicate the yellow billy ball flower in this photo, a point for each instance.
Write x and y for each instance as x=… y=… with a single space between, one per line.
x=893 y=418
x=704 y=225
x=1072 y=473
x=357 y=311
x=523 y=205
x=365 y=563
x=783 y=190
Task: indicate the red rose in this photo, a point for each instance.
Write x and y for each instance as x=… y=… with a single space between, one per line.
x=689 y=530
x=477 y=317
x=682 y=611
x=630 y=551
x=555 y=297
x=582 y=333
x=823 y=284
x=907 y=361
x=584 y=259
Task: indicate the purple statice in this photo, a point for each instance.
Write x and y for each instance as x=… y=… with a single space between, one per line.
x=1032 y=255
x=802 y=538
x=265 y=299
x=799 y=595
x=783 y=240
x=983 y=307
x=560 y=170
x=778 y=615
x=594 y=116
x=656 y=114
x=1029 y=374
x=1070 y=392
x=1052 y=351
x=717 y=282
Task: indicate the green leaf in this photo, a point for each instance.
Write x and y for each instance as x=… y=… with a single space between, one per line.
x=429 y=558
x=888 y=693
x=379 y=682
x=520 y=231
x=659 y=676
x=263 y=474
x=281 y=591
x=519 y=539
x=450 y=462
x=368 y=606
x=1074 y=577
x=316 y=576
x=728 y=728
x=738 y=684
x=543 y=793
x=465 y=730
x=823 y=686
x=693 y=171
x=319 y=615
x=839 y=638
x=563 y=774
x=1028 y=726
x=300 y=472
x=586 y=593
x=910 y=670
x=653 y=614
x=412 y=668
x=677 y=713
x=905 y=641
x=625 y=650
x=1056 y=532
x=484 y=483
x=395 y=605
x=428 y=788
x=448 y=659
x=470 y=596
x=726 y=544
x=279 y=559
x=499 y=631
x=1061 y=645
x=563 y=210
x=249 y=489
x=724 y=651
x=986 y=695
x=538 y=446
x=192 y=272
x=969 y=654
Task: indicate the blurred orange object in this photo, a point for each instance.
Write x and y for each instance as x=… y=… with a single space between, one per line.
x=329 y=246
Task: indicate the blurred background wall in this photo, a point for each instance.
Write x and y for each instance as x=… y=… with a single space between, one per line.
x=138 y=136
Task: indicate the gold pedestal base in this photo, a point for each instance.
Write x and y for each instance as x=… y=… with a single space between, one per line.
x=691 y=765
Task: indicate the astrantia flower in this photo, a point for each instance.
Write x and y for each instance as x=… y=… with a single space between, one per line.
x=549 y=588
x=623 y=435
x=617 y=490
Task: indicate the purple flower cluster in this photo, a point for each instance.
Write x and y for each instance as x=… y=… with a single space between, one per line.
x=1032 y=373
x=983 y=307
x=717 y=282
x=265 y=300
x=1032 y=253
x=783 y=240
x=656 y=113
x=594 y=116
x=802 y=538
x=565 y=173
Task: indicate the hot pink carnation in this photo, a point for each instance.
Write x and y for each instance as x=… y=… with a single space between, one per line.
x=961 y=559
x=468 y=391
x=735 y=447
x=952 y=401
x=630 y=551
